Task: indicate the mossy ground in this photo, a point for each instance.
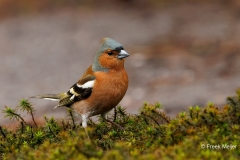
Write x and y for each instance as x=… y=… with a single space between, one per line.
x=208 y=132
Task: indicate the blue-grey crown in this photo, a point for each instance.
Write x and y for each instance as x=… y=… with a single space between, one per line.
x=106 y=43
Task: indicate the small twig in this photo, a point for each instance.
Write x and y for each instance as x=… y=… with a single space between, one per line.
x=17 y=115
x=26 y=106
x=162 y=115
x=204 y=119
x=33 y=118
x=117 y=125
x=31 y=132
x=72 y=117
x=20 y=117
x=165 y=118
x=63 y=124
x=115 y=114
x=51 y=131
x=22 y=127
x=151 y=118
x=1 y=130
x=121 y=111
x=145 y=120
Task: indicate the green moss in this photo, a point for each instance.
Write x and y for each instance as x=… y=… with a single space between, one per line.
x=206 y=132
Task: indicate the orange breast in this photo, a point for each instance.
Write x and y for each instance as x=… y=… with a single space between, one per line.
x=109 y=89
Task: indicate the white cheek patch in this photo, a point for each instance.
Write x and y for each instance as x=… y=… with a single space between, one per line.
x=88 y=84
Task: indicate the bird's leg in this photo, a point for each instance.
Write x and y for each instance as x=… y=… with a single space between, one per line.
x=85 y=128
x=113 y=123
x=84 y=124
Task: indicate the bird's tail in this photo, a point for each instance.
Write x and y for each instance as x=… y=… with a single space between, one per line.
x=53 y=97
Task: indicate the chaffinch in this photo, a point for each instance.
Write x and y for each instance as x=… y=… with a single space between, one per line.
x=101 y=87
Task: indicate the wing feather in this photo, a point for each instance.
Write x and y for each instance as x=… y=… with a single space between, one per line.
x=77 y=92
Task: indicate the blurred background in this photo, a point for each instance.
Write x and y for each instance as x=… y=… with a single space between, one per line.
x=182 y=53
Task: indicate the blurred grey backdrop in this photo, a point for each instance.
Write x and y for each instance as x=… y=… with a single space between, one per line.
x=181 y=54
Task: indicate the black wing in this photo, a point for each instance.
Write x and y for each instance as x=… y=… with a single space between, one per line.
x=76 y=93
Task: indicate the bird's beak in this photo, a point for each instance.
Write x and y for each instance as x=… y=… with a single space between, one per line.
x=122 y=54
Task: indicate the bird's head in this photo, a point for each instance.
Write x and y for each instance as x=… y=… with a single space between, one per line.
x=110 y=55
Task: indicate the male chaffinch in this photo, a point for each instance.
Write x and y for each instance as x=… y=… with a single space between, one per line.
x=101 y=87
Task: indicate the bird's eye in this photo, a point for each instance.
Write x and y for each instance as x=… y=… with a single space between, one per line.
x=109 y=53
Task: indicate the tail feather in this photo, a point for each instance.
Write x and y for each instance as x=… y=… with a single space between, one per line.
x=53 y=97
